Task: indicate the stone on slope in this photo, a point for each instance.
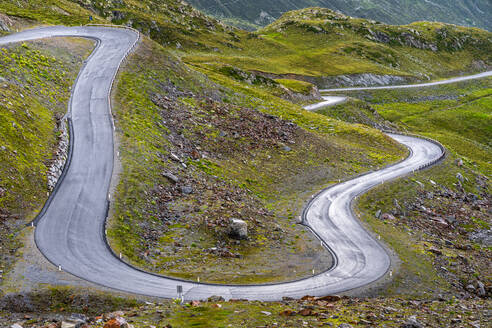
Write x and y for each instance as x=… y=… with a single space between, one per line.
x=238 y=229
x=412 y=323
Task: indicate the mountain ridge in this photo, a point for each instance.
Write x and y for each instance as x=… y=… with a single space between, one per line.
x=254 y=14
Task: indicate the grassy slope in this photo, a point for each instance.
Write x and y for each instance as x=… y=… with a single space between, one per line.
x=318 y=42
x=247 y=172
x=464 y=125
x=35 y=88
x=48 y=11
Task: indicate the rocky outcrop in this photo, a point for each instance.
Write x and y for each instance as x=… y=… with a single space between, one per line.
x=5 y=23
x=59 y=159
x=264 y=19
x=360 y=80
x=349 y=80
x=411 y=38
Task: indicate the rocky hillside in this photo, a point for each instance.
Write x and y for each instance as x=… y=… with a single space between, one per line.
x=253 y=14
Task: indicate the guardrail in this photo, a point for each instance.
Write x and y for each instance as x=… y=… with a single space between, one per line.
x=432 y=163
x=121 y=62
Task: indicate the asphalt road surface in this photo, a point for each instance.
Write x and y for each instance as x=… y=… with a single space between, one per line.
x=327 y=101
x=71 y=234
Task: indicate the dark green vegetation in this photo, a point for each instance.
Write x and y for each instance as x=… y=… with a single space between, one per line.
x=434 y=219
x=252 y=14
x=199 y=151
x=35 y=81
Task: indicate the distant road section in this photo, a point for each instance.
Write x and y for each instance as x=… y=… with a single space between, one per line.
x=71 y=233
x=327 y=101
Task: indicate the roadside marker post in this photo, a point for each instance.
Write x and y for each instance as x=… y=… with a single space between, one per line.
x=179 y=289
x=59 y=268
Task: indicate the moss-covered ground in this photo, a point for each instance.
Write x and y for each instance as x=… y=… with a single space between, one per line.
x=35 y=82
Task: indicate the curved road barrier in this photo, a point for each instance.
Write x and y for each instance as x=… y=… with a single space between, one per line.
x=71 y=235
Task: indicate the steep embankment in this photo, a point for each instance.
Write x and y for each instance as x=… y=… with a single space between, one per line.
x=252 y=14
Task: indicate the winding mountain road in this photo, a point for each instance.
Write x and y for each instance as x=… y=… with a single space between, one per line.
x=71 y=231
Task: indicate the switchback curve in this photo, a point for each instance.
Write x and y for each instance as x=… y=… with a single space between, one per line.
x=71 y=232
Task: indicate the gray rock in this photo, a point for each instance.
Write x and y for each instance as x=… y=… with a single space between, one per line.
x=460 y=177
x=215 y=299
x=187 y=190
x=470 y=288
x=483 y=237
x=412 y=323
x=287 y=148
x=16 y=325
x=345 y=325
x=66 y=324
x=378 y=213
x=481 y=289
x=5 y=23
x=171 y=177
x=175 y=157
x=451 y=219
x=78 y=317
x=387 y=216
x=238 y=229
